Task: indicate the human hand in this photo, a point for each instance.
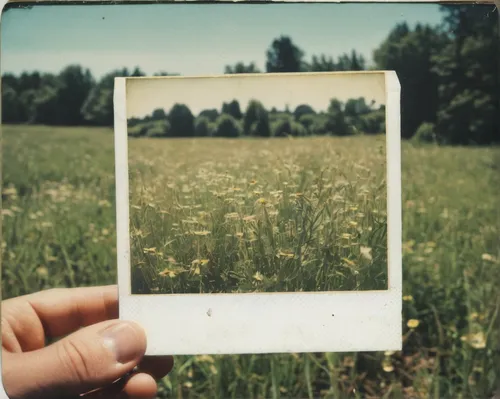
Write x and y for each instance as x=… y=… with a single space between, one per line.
x=89 y=358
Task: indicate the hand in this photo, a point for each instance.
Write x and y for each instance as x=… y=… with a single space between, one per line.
x=93 y=357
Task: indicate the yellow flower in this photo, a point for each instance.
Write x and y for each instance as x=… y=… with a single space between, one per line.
x=168 y=273
x=262 y=201
x=407 y=298
x=477 y=340
x=285 y=254
x=366 y=252
x=413 y=323
x=201 y=233
x=488 y=258
x=258 y=276
x=387 y=365
x=353 y=223
x=150 y=250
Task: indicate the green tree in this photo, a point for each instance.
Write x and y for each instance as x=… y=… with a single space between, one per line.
x=336 y=123
x=159 y=114
x=240 y=67
x=210 y=114
x=233 y=109
x=469 y=76
x=98 y=107
x=284 y=56
x=181 y=121
x=303 y=109
x=227 y=126
x=256 y=120
x=75 y=84
x=410 y=54
x=202 y=127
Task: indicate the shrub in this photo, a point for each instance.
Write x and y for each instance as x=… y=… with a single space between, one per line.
x=288 y=127
x=160 y=128
x=181 y=121
x=203 y=127
x=425 y=133
x=256 y=120
x=227 y=126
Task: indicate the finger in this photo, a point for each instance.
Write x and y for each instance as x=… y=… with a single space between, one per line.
x=61 y=311
x=90 y=358
x=138 y=385
x=157 y=366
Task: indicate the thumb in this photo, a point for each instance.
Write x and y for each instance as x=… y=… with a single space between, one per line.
x=90 y=358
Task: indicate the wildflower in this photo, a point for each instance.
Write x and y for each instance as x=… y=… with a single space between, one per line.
x=477 y=340
x=349 y=262
x=387 y=365
x=286 y=254
x=346 y=236
x=262 y=201
x=201 y=233
x=407 y=298
x=168 y=273
x=353 y=223
x=42 y=271
x=488 y=258
x=149 y=250
x=258 y=276
x=366 y=253
x=413 y=323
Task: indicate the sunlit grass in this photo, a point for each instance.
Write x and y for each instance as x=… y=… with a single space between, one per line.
x=59 y=231
x=215 y=215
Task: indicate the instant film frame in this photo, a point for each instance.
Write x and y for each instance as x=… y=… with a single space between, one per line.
x=186 y=324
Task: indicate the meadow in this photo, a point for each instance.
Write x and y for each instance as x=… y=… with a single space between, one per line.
x=58 y=230
x=215 y=215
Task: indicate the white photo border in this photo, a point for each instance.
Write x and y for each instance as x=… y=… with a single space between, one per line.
x=287 y=322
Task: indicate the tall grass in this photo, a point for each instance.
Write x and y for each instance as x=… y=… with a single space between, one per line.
x=222 y=215
x=59 y=230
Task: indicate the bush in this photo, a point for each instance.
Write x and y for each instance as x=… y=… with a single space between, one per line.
x=160 y=128
x=307 y=121
x=138 y=130
x=203 y=127
x=256 y=120
x=425 y=133
x=181 y=120
x=373 y=122
x=288 y=127
x=227 y=126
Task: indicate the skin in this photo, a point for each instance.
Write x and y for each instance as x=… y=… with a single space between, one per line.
x=78 y=362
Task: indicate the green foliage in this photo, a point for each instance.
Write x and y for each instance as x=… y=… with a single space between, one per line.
x=284 y=56
x=210 y=114
x=256 y=120
x=426 y=133
x=303 y=109
x=181 y=121
x=308 y=121
x=227 y=126
x=469 y=77
x=58 y=230
x=158 y=128
x=232 y=108
x=288 y=127
x=336 y=123
x=240 y=67
x=373 y=122
x=159 y=114
x=410 y=54
x=203 y=127
x=345 y=62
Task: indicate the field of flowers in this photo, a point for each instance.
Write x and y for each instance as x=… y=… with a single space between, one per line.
x=246 y=215
x=58 y=230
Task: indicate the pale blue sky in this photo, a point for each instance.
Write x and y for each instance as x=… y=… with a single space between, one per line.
x=191 y=39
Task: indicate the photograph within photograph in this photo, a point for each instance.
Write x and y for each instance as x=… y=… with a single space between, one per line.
x=257 y=183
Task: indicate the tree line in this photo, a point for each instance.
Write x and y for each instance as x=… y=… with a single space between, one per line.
x=353 y=117
x=449 y=74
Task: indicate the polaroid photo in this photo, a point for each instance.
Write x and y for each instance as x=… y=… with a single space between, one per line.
x=253 y=217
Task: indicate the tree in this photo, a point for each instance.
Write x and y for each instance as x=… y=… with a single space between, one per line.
x=159 y=114
x=202 y=127
x=98 y=107
x=233 y=109
x=75 y=84
x=284 y=56
x=210 y=114
x=256 y=120
x=303 y=109
x=410 y=54
x=322 y=63
x=12 y=107
x=336 y=123
x=181 y=121
x=469 y=77
x=240 y=67
x=227 y=126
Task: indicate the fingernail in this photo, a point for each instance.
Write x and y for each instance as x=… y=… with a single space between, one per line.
x=124 y=341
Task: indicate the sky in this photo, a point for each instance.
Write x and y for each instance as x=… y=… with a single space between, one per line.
x=191 y=39
x=199 y=93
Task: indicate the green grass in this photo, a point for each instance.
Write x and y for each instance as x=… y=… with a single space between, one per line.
x=59 y=231
x=279 y=215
